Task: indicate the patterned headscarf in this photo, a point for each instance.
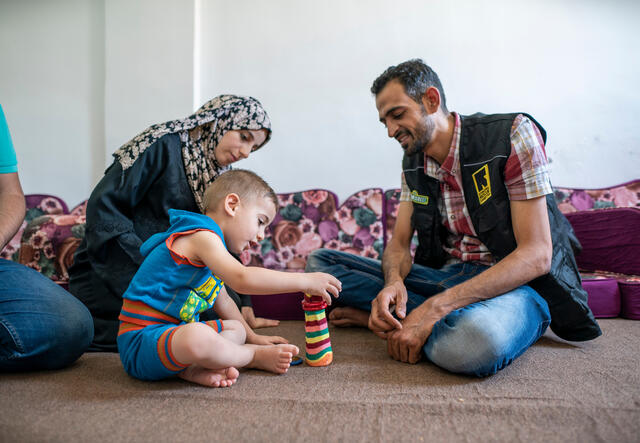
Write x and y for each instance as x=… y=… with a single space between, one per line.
x=200 y=133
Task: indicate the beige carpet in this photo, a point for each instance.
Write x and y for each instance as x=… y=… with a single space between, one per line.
x=555 y=392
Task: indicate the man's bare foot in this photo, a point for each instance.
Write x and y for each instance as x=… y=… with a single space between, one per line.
x=273 y=358
x=214 y=378
x=348 y=316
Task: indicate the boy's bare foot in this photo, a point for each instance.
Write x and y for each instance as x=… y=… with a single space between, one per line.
x=214 y=378
x=273 y=358
x=348 y=316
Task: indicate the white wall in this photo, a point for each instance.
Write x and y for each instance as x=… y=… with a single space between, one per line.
x=572 y=64
x=79 y=78
x=149 y=66
x=51 y=90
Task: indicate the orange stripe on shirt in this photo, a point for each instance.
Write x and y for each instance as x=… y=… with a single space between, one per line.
x=138 y=321
x=137 y=307
x=128 y=327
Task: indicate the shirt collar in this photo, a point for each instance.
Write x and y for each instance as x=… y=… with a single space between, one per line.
x=451 y=163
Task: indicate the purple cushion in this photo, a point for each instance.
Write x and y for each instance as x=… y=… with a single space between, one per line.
x=630 y=293
x=604 y=296
x=48 y=204
x=279 y=306
x=609 y=238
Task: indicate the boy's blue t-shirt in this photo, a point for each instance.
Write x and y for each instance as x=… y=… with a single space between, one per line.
x=172 y=286
x=8 y=161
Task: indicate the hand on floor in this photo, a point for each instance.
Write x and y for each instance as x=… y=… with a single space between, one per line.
x=257 y=322
x=256 y=339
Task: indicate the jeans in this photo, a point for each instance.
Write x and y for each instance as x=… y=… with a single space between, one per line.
x=479 y=339
x=42 y=326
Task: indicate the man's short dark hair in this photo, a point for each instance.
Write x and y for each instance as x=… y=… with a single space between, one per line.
x=415 y=76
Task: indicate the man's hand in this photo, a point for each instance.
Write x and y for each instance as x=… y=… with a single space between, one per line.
x=406 y=344
x=381 y=321
x=257 y=322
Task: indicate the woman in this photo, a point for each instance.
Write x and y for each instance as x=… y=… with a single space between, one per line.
x=167 y=166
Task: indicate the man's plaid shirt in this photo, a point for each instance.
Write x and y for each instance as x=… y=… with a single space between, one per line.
x=526 y=176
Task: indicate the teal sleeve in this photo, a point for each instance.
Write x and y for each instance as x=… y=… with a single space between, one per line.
x=8 y=161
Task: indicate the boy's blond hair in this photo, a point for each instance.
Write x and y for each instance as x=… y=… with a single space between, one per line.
x=246 y=184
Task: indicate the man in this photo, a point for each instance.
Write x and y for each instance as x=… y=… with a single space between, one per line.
x=494 y=264
x=42 y=326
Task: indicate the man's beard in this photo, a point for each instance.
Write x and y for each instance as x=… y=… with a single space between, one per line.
x=423 y=134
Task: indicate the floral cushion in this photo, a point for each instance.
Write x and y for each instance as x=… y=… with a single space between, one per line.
x=37 y=206
x=80 y=209
x=358 y=228
x=392 y=200
x=49 y=242
x=295 y=231
x=312 y=219
x=624 y=195
x=309 y=220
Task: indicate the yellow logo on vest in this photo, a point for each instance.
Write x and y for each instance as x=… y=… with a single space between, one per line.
x=419 y=199
x=483 y=185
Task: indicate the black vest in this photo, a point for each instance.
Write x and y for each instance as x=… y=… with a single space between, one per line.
x=485 y=145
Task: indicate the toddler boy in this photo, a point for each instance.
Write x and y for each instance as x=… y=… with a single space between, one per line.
x=182 y=275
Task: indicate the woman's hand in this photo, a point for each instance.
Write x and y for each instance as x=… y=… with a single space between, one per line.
x=322 y=284
x=265 y=339
x=257 y=322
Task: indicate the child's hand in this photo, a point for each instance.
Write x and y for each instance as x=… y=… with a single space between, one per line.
x=324 y=285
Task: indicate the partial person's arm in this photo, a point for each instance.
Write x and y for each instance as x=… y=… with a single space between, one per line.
x=12 y=207
x=530 y=259
x=396 y=264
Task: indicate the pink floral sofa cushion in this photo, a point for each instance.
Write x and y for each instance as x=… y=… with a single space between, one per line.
x=392 y=200
x=358 y=227
x=310 y=220
x=295 y=231
x=80 y=209
x=362 y=225
x=49 y=242
x=626 y=195
x=37 y=205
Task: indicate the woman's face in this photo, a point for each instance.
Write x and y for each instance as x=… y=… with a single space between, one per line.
x=238 y=144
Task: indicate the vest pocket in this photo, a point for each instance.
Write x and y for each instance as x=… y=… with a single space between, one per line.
x=486 y=219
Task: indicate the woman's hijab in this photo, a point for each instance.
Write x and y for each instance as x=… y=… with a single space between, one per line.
x=200 y=134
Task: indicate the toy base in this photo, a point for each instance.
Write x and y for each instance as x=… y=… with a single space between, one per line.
x=324 y=361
